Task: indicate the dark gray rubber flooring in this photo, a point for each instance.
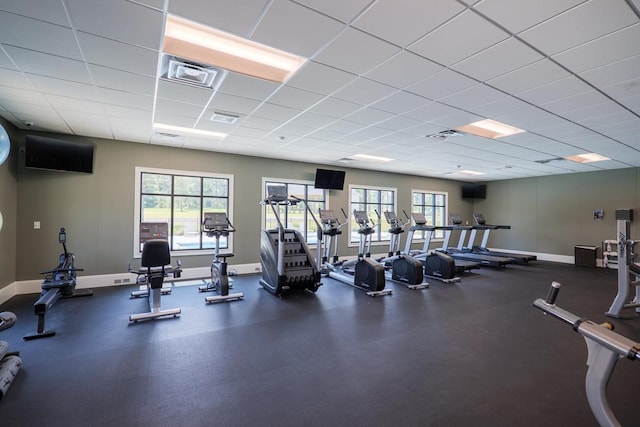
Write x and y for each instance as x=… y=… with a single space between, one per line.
x=469 y=354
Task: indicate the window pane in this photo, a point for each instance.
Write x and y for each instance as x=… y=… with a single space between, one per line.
x=296 y=190
x=156 y=183
x=155 y=209
x=386 y=197
x=315 y=194
x=373 y=196
x=216 y=205
x=357 y=195
x=187 y=185
x=215 y=187
x=186 y=223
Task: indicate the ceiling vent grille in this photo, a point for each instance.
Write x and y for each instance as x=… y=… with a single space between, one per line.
x=441 y=136
x=545 y=161
x=188 y=72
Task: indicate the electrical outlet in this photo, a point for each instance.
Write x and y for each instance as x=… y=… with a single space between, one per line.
x=36 y=225
x=126 y=280
x=257 y=269
x=116 y=281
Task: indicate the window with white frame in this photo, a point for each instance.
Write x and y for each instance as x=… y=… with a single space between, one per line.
x=180 y=199
x=296 y=216
x=433 y=205
x=371 y=200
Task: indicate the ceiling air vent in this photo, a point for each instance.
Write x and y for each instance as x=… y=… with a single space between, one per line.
x=441 y=136
x=545 y=161
x=188 y=72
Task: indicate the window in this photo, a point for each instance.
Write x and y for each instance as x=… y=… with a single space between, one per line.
x=434 y=206
x=370 y=200
x=296 y=216
x=180 y=199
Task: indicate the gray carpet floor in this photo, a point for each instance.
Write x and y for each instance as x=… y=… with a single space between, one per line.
x=474 y=353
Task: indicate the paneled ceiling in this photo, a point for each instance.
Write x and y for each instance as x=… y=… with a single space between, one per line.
x=381 y=76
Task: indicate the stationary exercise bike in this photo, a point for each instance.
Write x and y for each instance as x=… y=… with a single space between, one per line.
x=604 y=348
x=216 y=225
x=59 y=283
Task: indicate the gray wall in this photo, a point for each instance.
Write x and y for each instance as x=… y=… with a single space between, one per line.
x=552 y=214
x=97 y=209
x=8 y=207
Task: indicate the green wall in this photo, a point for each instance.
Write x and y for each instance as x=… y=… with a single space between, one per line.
x=97 y=209
x=552 y=214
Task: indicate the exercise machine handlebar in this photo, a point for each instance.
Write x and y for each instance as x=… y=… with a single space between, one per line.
x=601 y=334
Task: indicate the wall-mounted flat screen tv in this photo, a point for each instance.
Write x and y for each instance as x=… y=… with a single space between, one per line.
x=54 y=154
x=474 y=191
x=329 y=179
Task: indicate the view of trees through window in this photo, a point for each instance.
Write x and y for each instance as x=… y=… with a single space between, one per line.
x=371 y=200
x=434 y=207
x=181 y=201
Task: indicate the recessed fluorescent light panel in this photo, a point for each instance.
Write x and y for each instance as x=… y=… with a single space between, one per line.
x=587 y=158
x=489 y=129
x=198 y=42
x=369 y=158
x=468 y=172
x=189 y=131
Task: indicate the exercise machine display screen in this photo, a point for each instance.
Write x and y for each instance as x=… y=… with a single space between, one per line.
x=214 y=220
x=153 y=230
x=277 y=192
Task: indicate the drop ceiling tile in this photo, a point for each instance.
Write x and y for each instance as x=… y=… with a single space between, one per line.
x=183 y=92
x=341 y=10
x=343 y=126
x=174 y=120
x=22 y=95
x=568 y=29
x=121 y=98
x=261 y=123
x=371 y=52
x=37 y=35
x=615 y=72
x=237 y=16
x=75 y=104
x=431 y=112
x=291 y=97
x=459 y=118
x=247 y=87
x=403 y=69
x=136 y=24
x=211 y=126
x=275 y=112
x=518 y=16
x=170 y=106
x=606 y=122
x=536 y=74
x=15 y=79
x=15 y=107
x=126 y=133
x=401 y=102
x=364 y=91
x=48 y=65
x=143 y=117
x=563 y=88
x=507 y=104
x=472 y=34
x=43 y=123
x=575 y=102
x=50 y=11
x=496 y=60
x=48 y=85
x=334 y=107
x=313 y=120
x=399 y=123
x=110 y=53
x=595 y=111
x=605 y=50
x=237 y=105
x=404 y=21
x=369 y=116
x=320 y=78
x=445 y=83
x=286 y=26
x=476 y=95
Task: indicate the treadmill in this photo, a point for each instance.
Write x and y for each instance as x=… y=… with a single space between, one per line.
x=481 y=224
x=461 y=266
x=460 y=252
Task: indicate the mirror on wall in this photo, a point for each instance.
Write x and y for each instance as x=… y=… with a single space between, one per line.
x=5 y=145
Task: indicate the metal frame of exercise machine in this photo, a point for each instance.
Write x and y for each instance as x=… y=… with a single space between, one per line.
x=216 y=225
x=10 y=362
x=481 y=224
x=604 y=348
x=628 y=270
x=60 y=283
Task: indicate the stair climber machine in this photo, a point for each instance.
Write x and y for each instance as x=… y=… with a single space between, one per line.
x=216 y=225
x=437 y=265
x=403 y=268
x=287 y=262
x=460 y=252
x=362 y=272
x=10 y=362
x=604 y=348
x=481 y=224
x=155 y=266
x=628 y=270
x=60 y=283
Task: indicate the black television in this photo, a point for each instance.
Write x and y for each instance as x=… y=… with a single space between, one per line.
x=474 y=191
x=54 y=154
x=327 y=179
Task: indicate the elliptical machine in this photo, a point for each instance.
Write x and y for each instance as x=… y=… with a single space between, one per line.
x=628 y=270
x=216 y=225
x=59 y=283
x=404 y=268
x=437 y=265
x=362 y=272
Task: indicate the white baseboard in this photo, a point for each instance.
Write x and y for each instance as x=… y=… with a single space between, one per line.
x=119 y=279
